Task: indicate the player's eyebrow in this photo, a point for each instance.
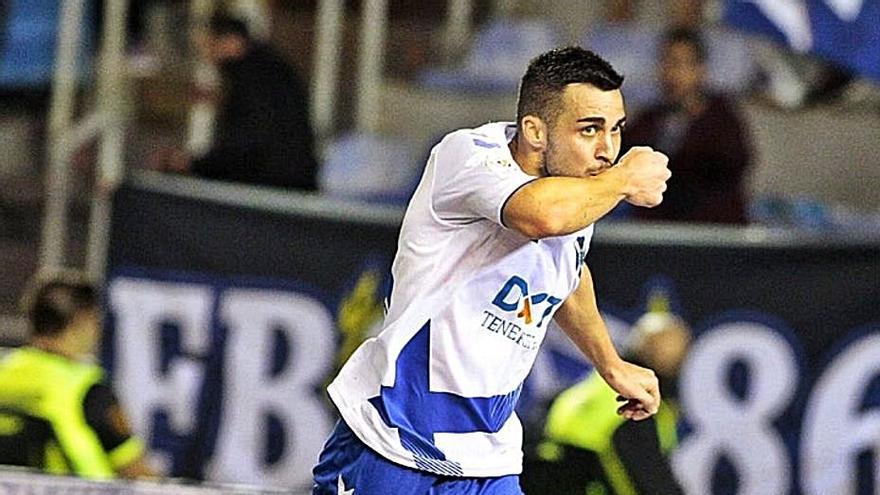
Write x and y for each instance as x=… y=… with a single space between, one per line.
x=593 y=120
x=600 y=120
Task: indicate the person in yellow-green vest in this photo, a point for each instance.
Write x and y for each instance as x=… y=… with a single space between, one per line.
x=590 y=449
x=58 y=414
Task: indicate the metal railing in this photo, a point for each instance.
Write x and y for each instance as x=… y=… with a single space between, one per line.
x=66 y=135
x=607 y=231
x=108 y=121
x=22 y=482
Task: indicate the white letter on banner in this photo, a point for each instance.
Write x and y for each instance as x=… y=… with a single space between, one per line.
x=792 y=18
x=846 y=10
x=252 y=317
x=723 y=424
x=835 y=430
x=141 y=307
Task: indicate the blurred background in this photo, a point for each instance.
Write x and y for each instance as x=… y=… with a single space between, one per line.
x=235 y=184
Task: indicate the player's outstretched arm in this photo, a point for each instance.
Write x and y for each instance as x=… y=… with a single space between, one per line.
x=579 y=318
x=552 y=206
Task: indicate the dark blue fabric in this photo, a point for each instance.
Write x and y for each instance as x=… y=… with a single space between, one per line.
x=364 y=472
x=851 y=42
x=28 y=35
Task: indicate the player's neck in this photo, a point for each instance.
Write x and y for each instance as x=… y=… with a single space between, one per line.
x=529 y=160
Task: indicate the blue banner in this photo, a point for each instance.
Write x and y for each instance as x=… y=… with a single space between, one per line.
x=228 y=313
x=846 y=32
x=28 y=37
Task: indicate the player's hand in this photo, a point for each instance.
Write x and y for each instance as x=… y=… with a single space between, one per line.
x=646 y=174
x=638 y=388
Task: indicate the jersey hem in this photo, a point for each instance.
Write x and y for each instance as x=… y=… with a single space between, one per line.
x=355 y=423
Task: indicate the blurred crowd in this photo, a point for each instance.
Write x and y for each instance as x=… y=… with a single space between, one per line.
x=224 y=92
x=688 y=75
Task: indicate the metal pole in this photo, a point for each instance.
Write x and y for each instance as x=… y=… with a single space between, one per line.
x=371 y=61
x=112 y=107
x=201 y=115
x=458 y=27
x=54 y=237
x=328 y=46
x=255 y=14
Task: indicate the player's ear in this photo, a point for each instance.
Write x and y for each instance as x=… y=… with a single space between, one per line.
x=534 y=132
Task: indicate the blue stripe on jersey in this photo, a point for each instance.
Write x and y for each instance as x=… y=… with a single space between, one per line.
x=389 y=288
x=580 y=255
x=418 y=413
x=486 y=144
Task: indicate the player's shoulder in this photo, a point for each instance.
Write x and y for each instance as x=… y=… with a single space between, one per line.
x=487 y=139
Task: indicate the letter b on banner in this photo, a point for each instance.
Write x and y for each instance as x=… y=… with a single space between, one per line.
x=254 y=392
x=164 y=339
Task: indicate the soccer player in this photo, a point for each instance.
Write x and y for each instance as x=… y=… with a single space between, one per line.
x=492 y=246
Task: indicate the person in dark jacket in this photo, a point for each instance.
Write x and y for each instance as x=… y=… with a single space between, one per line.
x=704 y=135
x=263 y=134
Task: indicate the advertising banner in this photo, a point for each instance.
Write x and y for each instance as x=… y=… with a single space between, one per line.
x=229 y=311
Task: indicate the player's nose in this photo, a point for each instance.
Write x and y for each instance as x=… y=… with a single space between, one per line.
x=605 y=149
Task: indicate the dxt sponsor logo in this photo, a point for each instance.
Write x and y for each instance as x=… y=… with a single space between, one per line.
x=514 y=296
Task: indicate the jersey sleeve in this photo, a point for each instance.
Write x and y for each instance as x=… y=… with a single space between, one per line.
x=473 y=181
x=105 y=416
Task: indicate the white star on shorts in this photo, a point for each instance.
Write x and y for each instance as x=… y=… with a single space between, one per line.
x=340 y=487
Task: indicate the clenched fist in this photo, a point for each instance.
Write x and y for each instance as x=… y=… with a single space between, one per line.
x=638 y=389
x=646 y=174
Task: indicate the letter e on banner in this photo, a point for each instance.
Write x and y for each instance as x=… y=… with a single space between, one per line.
x=141 y=308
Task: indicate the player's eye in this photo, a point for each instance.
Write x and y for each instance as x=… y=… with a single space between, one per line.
x=617 y=129
x=590 y=130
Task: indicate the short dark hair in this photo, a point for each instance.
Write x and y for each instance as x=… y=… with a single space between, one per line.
x=52 y=302
x=541 y=87
x=223 y=24
x=688 y=36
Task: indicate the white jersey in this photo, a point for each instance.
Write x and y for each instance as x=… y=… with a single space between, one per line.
x=470 y=304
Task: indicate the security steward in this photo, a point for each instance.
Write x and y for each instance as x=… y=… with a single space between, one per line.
x=57 y=413
x=589 y=449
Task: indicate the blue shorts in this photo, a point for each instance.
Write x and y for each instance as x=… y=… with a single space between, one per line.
x=347 y=466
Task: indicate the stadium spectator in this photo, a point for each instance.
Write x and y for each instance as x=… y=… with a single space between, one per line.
x=492 y=246
x=57 y=412
x=588 y=449
x=631 y=42
x=263 y=134
x=627 y=45
x=703 y=133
